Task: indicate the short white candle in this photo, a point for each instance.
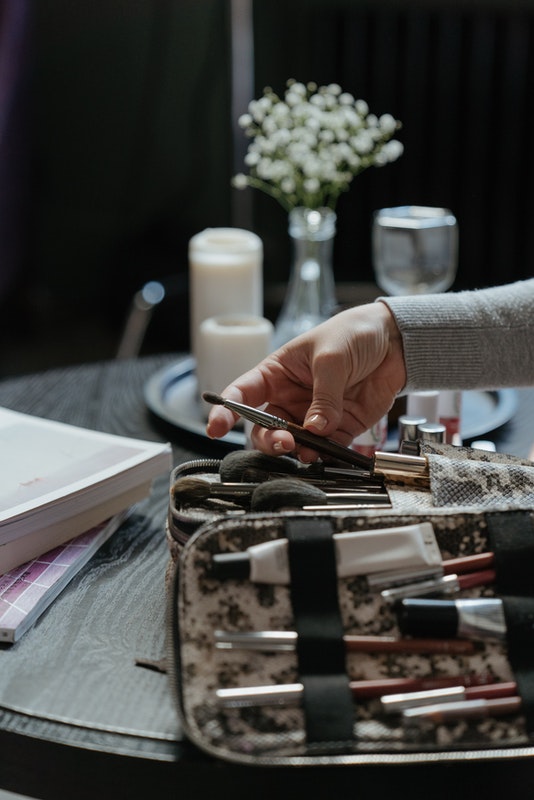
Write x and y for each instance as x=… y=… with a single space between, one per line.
x=228 y=346
x=225 y=276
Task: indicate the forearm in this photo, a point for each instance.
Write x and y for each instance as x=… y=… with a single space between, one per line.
x=467 y=340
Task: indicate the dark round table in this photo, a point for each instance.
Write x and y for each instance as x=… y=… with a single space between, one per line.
x=79 y=718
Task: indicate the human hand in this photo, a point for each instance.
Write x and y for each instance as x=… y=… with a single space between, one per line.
x=337 y=380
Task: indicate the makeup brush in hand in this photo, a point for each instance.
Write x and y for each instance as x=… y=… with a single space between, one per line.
x=396 y=467
x=319 y=443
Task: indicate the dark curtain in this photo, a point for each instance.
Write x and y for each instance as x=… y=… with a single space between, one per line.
x=130 y=155
x=460 y=77
x=116 y=144
x=15 y=49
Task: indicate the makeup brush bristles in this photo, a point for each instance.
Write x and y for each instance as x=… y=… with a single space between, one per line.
x=214 y=399
x=240 y=464
x=188 y=491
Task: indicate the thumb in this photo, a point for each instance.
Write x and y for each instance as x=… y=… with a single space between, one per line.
x=326 y=408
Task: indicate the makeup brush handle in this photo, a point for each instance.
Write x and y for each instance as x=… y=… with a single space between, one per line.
x=478 y=561
x=328 y=446
x=381 y=644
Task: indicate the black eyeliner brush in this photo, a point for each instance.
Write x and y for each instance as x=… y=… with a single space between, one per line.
x=319 y=443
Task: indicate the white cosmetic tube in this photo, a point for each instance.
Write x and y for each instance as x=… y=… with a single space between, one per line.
x=357 y=553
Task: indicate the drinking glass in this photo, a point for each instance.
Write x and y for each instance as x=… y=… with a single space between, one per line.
x=415 y=249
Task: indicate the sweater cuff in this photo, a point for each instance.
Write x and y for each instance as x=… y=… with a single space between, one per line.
x=462 y=340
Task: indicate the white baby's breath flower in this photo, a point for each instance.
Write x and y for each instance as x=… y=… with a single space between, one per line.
x=292 y=98
x=281 y=137
x=388 y=123
x=287 y=185
x=394 y=149
x=251 y=158
x=362 y=142
x=263 y=168
x=240 y=181
x=312 y=167
x=280 y=111
x=269 y=125
x=307 y=146
x=350 y=117
x=341 y=134
x=354 y=161
x=317 y=100
x=298 y=88
x=312 y=185
x=381 y=158
x=245 y=120
x=265 y=103
x=334 y=89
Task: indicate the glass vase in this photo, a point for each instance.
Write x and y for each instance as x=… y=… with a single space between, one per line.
x=310 y=297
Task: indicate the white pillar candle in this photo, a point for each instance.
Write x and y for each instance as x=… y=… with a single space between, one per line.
x=225 y=276
x=228 y=346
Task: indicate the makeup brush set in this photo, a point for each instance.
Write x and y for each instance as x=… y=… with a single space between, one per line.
x=344 y=613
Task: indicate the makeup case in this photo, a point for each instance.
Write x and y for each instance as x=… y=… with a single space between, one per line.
x=332 y=683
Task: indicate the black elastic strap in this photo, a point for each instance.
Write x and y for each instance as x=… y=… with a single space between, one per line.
x=327 y=700
x=511 y=538
x=327 y=708
x=519 y=617
x=524 y=678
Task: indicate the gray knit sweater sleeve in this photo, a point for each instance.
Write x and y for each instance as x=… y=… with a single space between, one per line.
x=482 y=339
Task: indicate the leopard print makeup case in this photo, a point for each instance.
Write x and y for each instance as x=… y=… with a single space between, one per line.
x=313 y=663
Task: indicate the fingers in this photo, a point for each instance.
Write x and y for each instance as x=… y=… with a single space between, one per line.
x=220 y=422
x=335 y=380
x=248 y=389
x=273 y=442
x=330 y=381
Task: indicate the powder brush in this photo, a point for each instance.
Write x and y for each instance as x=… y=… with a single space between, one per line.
x=270 y=495
x=252 y=466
